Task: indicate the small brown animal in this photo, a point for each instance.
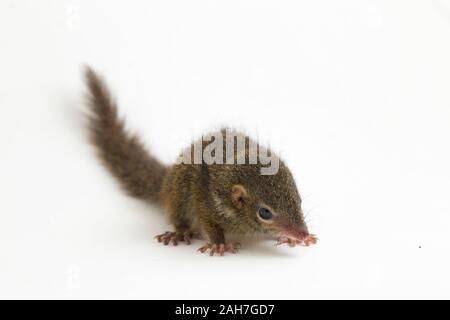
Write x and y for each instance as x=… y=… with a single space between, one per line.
x=200 y=199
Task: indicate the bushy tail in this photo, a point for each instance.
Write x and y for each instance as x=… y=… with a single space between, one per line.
x=140 y=174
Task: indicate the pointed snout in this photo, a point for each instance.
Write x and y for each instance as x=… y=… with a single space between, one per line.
x=300 y=232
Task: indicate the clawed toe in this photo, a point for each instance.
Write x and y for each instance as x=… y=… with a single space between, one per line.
x=309 y=240
x=173 y=238
x=220 y=248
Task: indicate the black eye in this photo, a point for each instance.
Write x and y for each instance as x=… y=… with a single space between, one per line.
x=265 y=213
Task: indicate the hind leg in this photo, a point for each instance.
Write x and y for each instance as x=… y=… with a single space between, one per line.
x=183 y=231
x=178 y=203
x=179 y=216
x=170 y=237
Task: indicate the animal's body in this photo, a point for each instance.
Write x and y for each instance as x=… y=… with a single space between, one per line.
x=210 y=199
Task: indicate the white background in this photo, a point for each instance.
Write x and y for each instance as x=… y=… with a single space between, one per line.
x=354 y=94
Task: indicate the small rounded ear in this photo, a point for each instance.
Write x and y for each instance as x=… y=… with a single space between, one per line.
x=238 y=196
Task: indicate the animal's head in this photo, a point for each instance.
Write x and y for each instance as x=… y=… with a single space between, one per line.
x=271 y=202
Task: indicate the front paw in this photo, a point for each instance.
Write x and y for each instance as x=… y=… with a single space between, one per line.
x=306 y=242
x=310 y=239
x=290 y=242
x=220 y=248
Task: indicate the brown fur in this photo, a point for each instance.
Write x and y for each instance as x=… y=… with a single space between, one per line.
x=140 y=174
x=210 y=199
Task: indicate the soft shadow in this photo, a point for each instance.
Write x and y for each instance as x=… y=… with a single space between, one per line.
x=263 y=248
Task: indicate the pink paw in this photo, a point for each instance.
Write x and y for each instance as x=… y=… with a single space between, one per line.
x=220 y=248
x=309 y=240
x=173 y=238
